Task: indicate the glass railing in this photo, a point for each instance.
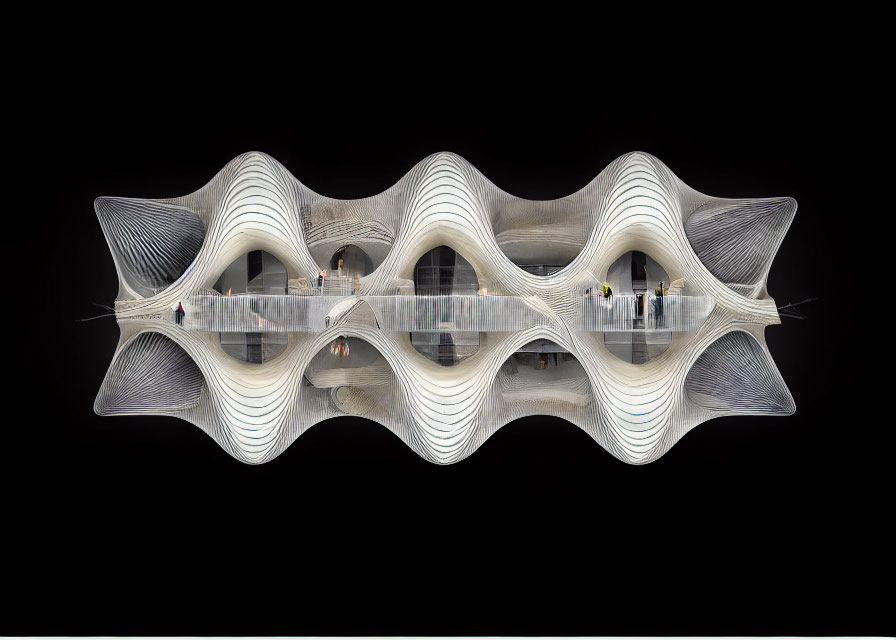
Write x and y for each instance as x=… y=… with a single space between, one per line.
x=623 y=313
x=448 y=313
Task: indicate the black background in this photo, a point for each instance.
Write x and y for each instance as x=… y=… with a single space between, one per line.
x=747 y=526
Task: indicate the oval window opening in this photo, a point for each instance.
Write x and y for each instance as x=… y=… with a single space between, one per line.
x=544 y=372
x=636 y=278
x=254 y=273
x=444 y=272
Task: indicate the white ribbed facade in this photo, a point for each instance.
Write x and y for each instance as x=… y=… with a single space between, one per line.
x=714 y=363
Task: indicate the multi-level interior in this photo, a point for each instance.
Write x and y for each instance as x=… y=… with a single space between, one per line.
x=443 y=307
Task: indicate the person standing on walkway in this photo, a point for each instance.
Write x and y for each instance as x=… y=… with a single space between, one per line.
x=660 y=293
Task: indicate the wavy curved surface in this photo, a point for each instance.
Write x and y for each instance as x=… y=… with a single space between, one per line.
x=714 y=364
x=153 y=242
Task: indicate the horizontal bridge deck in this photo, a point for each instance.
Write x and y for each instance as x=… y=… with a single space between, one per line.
x=296 y=313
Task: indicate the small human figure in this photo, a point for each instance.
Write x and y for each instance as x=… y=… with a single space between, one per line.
x=339 y=347
x=606 y=294
x=660 y=292
x=320 y=278
x=179 y=313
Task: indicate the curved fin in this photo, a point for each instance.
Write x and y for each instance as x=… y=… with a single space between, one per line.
x=736 y=374
x=738 y=239
x=153 y=242
x=152 y=374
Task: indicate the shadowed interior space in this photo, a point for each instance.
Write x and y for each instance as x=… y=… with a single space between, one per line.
x=256 y=272
x=444 y=272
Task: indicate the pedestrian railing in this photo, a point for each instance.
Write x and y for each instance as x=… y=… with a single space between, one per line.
x=297 y=313
x=623 y=313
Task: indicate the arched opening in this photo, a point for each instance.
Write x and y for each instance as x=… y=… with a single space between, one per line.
x=347 y=266
x=356 y=376
x=330 y=225
x=634 y=279
x=444 y=272
x=254 y=273
x=544 y=372
x=347 y=361
x=351 y=261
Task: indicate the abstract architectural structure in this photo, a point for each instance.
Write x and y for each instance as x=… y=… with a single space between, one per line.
x=444 y=308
